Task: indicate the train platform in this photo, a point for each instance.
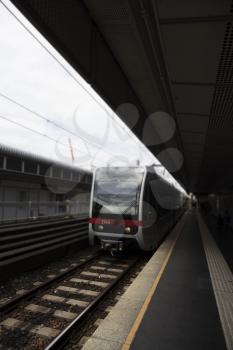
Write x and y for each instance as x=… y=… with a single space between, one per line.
x=182 y=299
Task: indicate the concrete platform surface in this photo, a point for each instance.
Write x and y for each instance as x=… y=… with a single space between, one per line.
x=183 y=313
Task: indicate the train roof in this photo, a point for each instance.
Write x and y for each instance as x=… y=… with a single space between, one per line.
x=148 y=168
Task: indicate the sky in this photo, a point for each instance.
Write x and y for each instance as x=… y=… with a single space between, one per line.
x=46 y=106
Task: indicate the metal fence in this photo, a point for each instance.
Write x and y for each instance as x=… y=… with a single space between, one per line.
x=17 y=211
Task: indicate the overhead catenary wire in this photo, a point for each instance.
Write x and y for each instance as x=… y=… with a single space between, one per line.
x=19 y=104
x=71 y=74
x=40 y=116
x=39 y=133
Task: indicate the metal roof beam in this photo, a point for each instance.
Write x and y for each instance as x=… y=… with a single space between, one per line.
x=199 y=83
x=201 y=19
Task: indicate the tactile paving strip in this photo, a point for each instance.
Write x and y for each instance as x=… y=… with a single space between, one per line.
x=222 y=282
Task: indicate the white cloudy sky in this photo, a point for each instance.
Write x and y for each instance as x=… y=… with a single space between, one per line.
x=33 y=78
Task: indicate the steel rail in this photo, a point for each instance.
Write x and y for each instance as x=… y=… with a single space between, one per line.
x=64 y=336
x=11 y=304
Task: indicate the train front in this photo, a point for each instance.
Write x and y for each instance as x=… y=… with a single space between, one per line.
x=115 y=211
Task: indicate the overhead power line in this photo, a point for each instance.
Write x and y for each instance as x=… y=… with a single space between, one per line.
x=73 y=76
x=40 y=134
x=40 y=116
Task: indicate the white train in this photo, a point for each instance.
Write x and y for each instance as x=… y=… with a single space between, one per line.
x=132 y=205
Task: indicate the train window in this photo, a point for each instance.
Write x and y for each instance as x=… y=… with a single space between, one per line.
x=14 y=164
x=117 y=191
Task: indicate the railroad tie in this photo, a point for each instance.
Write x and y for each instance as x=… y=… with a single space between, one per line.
x=79 y=291
x=65 y=314
x=21 y=291
x=101 y=268
x=124 y=266
x=105 y=275
x=37 y=283
x=12 y=324
x=107 y=263
x=64 y=269
x=54 y=298
x=44 y=310
x=115 y=270
x=37 y=308
x=91 y=274
x=4 y=300
x=75 y=302
x=45 y=331
x=92 y=283
x=94 y=274
x=57 y=299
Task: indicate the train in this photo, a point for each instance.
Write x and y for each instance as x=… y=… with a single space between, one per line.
x=132 y=205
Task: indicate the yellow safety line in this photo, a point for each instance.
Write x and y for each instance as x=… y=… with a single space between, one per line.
x=146 y=303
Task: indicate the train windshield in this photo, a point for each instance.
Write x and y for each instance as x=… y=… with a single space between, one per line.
x=117 y=191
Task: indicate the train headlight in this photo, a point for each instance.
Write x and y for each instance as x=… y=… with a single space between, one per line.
x=127 y=229
x=100 y=227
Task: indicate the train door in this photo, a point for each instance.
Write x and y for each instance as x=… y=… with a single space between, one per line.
x=163 y=198
x=149 y=215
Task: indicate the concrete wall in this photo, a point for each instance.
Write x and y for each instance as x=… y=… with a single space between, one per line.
x=80 y=203
x=20 y=201
x=218 y=204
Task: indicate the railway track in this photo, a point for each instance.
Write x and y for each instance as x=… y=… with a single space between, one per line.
x=27 y=241
x=45 y=317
